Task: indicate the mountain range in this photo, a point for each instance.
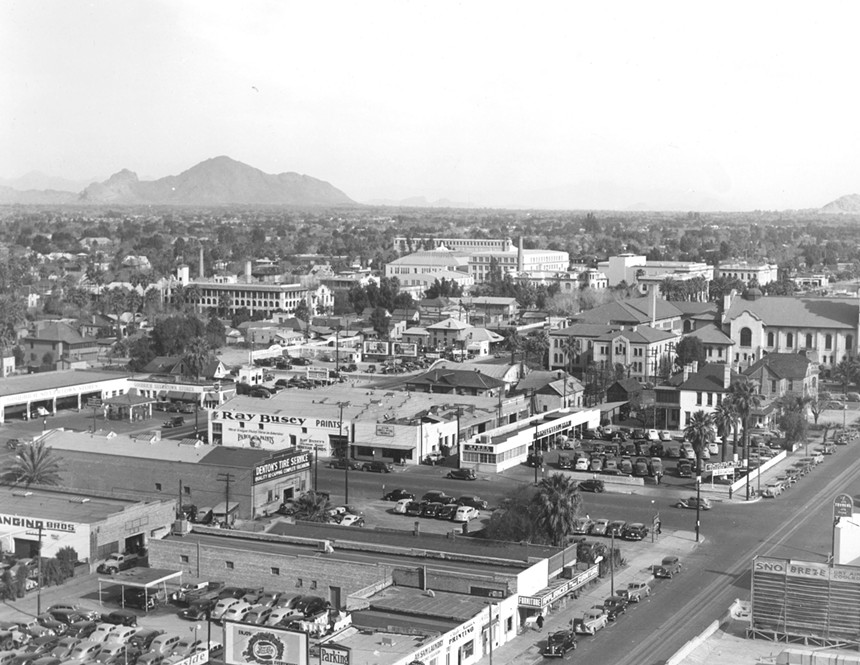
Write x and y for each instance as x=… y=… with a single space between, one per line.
x=216 y=181
x=844 y=205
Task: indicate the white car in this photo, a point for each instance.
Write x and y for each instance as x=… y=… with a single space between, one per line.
x=351 y=520
x=400 y=506
x=237 y=611
x=653 y=435
x=282 y=615
x=465 y=514
x=221 y=607
x=714 y=448
x=665 y=435
x=582 y=464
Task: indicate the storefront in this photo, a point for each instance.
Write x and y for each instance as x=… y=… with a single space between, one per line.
x=282 y=477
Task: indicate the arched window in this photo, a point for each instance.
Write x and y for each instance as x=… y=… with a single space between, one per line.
x=808 y=341
x=770 y=339
x=789 y=340
x=746 y=337
x=688 y=326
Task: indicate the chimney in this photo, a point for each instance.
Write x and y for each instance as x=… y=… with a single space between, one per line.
x=520 y=261
x=654 y=305
x=727 y=375
x=695 y=367
x=248 y=272
x=200 y=274
x=686 y=372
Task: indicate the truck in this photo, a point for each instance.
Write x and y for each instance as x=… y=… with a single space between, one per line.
x=192 y=592
x=117 y=562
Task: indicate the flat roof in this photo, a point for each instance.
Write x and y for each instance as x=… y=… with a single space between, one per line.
x=142 y=578
x=378 y=647
x=364 y=404
x=165 y=449
x=455 y=607
x=59 y=505
x=16 y=385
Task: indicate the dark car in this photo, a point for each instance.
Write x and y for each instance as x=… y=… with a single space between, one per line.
x=260 y=391
x=430 y=509
x=592 y=485
x=311 y=605
x=472 y=500
x=635 y=531
x=344 y=463
x=559 y=643
x=447 y=512
x=413 y=509
x=377 y=466
x=671 y=563
x=615 y=605
x=120 y=618
x=398 y=494
x=662 y=572
x=616 y=528
x=143 y=638
x=437 y=496
x=462 y=474
x=534 y=460
x=198 y=610
x=176 y=421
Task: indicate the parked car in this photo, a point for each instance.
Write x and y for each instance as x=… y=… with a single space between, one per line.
x=639 y=589
x=615 y=606
x=665 y=435
x=437 y=496
x=413 y=509
x=398 y=495
x=400 y=506
x=344 y=463
x=559 y=643
x=377 y=466
x=462 y=474
x=685 y=468
x=471 y=500
x=592 y=485
x=351 y=520
x=671 y=563
x=599 y=528
x=430 y=508
x=703 y=502
x=258 y=615
x=176 y=421
x=465 y=514
x=222 y=606
x=582 y=526
x=635 y=531
x=309 y=606
x=592 y=620
x=616 y=528
x=772 y=490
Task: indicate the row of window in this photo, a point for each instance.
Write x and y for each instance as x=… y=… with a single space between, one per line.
x=808 y=338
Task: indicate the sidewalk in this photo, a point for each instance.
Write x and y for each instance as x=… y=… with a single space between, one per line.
x=525 y=648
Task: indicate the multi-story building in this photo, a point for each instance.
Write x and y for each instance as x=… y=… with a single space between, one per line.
x=649 y=275
x=762 y=273
x=779 y=374
x=409 y=244
x=428 y=261
x=693 y=389
x=761 y=325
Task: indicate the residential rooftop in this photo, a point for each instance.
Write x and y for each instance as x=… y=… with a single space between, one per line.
x=60 y=505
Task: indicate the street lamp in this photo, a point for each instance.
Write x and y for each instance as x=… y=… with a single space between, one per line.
x=698 y=492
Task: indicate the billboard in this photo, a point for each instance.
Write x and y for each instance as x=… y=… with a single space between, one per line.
x=332 y=654
x=376 y=348
x=246 y=644
x=402 y=349
x=281 y=464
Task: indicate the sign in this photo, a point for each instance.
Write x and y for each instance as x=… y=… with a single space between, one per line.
x=843 y=506
x=376 y=348
x=384 y=430
x=281 y=465
x=402 y=349
x=317 y=373
x=94 y=402
x=332 y=653
x=246 y=644
x=196 y=658
x=720 y=466
x=31 y=523
x=559 y=591
x=487 y=592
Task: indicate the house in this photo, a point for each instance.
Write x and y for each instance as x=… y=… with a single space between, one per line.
x=456 y=381
x=509 y=374
x=693 y=389
x=480 y=341
x=652 y=311
x=448 y=334
x=717 y=345
x=65 y=346
x=760 y=325
x=780 y=374
x=99 y=326
x=551 y=390
x=695 y=315
x=489 y=310
x=624 y=390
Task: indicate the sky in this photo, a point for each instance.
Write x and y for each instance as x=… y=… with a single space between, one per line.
x=610 y=105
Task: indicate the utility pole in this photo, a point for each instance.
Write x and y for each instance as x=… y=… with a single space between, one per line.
x=39 y=564
x=347 y=457
x=226 y=478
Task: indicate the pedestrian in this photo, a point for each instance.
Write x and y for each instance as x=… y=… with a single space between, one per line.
x=540 y=622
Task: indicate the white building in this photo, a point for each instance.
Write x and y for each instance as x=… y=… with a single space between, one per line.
x=763 y=273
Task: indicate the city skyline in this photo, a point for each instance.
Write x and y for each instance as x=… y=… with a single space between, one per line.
x=668 y=106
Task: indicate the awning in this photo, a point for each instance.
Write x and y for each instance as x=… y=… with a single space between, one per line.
x=162 y=393
x=185 y=396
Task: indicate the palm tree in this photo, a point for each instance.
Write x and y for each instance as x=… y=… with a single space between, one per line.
x=699 y=432
x=312 y=507
x=844 y=373
x=745 y=397
x=34 y=464
x=193 y=295
x=571 y=352
x=557 y=504
x=514 y=342
x=726 y=420
x=196 y=355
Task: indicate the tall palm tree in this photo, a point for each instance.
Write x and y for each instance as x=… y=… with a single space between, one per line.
x=699 y=432
x=34 y=464
x=312 y=507
x=193 y=295
x=196 y=355
x=726 y=420
x=745 y=397
x=513 y=342
x=557 y=504
x=571 y=352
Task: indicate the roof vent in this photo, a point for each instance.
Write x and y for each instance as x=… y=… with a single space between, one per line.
x=22 y=493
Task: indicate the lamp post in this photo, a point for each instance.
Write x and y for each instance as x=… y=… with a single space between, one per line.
x=698 y=492
x=612 y=563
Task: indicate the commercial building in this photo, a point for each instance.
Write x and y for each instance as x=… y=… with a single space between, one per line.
x=648 y=275
x=404 y=609
x=94 y=524
x=409 y=244
x=234 y=482
x=401 y=427
x=760 y=273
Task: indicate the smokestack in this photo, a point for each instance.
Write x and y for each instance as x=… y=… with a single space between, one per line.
x=248 y=272
x=686 y=372
x=695 y=366
x=520 y=262
x=200 y=274
x=653 y=306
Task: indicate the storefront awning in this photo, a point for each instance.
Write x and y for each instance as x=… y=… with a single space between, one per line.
x=558 y=588
x=184 y=396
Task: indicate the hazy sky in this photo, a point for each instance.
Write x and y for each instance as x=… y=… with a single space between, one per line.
x=730 y=105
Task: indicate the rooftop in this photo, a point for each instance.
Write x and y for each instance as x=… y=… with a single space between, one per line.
x=710 y=334
x=59 y=505
x=16 y=385
x=799 y=312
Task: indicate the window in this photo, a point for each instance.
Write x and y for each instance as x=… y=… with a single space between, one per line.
x=773 y=386
x=698 y=399
x=710 y=399
x=229 y=565
x=299 y=582
x=187 y=490
x=746 y=337
x=849 y=344
x=183 y=558
x=808 y=341
x=770 y=339
x=828 y=342
x=313 y=584
x=157 y=487
x=276 y=571
x=789 y=340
